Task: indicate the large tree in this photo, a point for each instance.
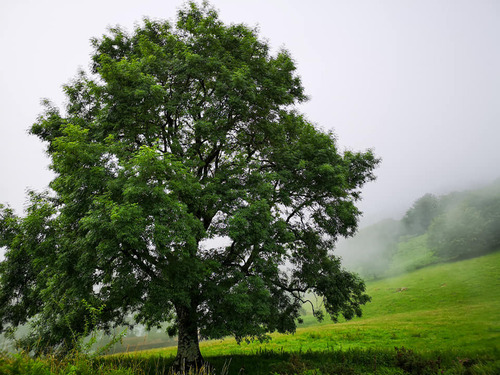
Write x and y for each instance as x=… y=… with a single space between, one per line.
x=188 y=190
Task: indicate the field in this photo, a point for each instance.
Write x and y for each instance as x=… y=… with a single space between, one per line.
x=443 y=319
x=452 y=309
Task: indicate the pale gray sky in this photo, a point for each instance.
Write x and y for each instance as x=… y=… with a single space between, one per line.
x=416 y=80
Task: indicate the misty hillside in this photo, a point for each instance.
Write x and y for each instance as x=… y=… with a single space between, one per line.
x=435 y=229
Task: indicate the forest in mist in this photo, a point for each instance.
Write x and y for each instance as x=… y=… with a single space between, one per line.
x=434 y=229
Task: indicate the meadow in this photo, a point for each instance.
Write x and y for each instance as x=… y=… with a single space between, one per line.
x=441 y=319
x=446 y=310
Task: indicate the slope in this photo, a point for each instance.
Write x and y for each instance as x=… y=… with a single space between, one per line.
x=451 y=306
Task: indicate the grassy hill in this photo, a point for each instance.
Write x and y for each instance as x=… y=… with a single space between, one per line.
x=445 y=306
x=446 y=316
x=451 y=308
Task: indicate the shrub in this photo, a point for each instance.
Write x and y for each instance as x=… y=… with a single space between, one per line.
x=414 y=363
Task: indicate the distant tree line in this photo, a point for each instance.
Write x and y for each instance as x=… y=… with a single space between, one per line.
x=458 y=225
x=451 y=227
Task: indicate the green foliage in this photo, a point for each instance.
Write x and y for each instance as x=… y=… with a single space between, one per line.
x=420 y=216
x=183 y=133
x=348 y=362
x=330 y=362
x=85 y=343
x=435 y=229
x=413 y=363
x=23 y=364
x=470 y=228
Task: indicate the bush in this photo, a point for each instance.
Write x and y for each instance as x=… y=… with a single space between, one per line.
x=413 y=363
x=23 y=364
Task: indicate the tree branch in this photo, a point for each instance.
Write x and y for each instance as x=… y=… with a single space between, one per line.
x=250 y=260
x=138 y=263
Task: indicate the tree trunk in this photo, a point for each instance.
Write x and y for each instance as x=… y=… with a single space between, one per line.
x=188 y=347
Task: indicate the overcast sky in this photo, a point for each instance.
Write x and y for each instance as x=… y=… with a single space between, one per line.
x=418 y=81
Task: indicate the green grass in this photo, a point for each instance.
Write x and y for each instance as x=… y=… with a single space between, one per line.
x=449 y=310
x=448 y=314
x=411 y=254
x=451 y=306
x=23 y=364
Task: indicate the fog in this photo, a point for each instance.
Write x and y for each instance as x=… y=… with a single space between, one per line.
x=417 y=81
x=434 y=229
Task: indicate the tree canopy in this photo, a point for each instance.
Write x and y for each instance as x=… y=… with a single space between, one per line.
x=419 y=217
x=188 y=189
x=469 y=225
